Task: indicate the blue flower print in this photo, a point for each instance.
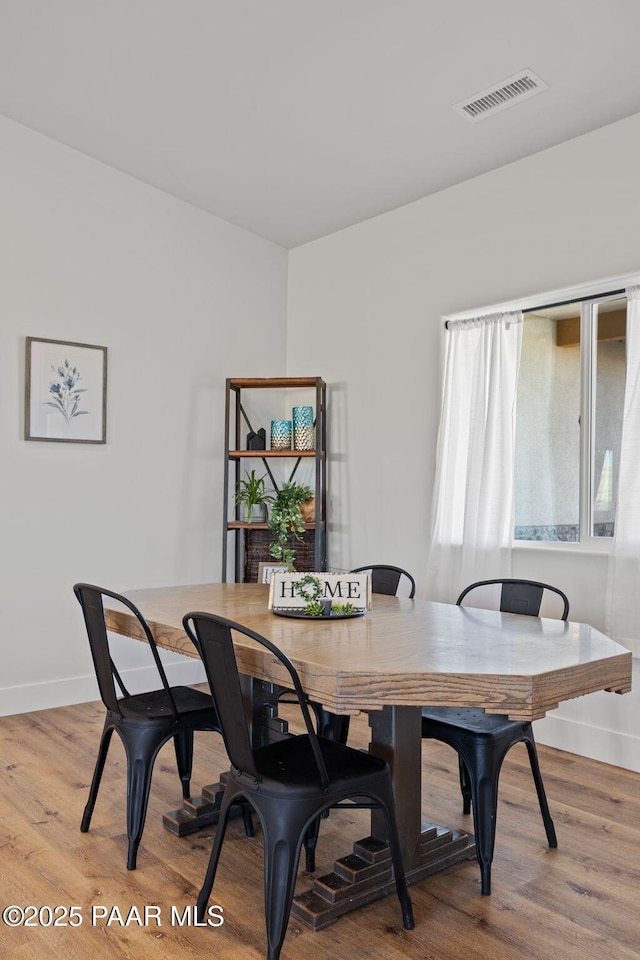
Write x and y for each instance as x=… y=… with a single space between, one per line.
x=65 y=395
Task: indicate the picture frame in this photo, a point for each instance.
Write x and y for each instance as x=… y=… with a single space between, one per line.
x=65 y=391
x=266 y=569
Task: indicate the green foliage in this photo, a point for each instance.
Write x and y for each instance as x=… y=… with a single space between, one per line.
x=285 y=520
x=252 y=492
x=310 y=589
x=347 y=607
x=314 y=608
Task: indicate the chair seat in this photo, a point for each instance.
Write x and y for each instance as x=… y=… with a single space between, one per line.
x=473 y=720
x=154 y=704
x=289 y=766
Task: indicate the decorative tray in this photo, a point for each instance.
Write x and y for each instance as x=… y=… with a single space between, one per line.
x=294 y=614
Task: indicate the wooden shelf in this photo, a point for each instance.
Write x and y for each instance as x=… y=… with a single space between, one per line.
x=243 y=525
x=261 y=454
x=275 y=382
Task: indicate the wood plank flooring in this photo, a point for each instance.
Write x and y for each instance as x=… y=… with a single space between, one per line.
x=579 y=902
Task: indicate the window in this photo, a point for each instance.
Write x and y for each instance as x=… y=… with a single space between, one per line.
x=569 y=420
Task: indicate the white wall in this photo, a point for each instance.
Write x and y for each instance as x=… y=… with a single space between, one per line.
x=365 y=308
x=181 y=300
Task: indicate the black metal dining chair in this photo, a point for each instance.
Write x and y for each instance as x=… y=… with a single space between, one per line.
x=289 y=783
x=390 y=580
x=143 y=721
x=482 y=740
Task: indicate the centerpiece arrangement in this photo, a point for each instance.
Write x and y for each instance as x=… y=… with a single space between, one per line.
x=319 y=595
x=312 y=591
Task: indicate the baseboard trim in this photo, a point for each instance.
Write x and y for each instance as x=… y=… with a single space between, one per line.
x=608 y=746
x=63 y=692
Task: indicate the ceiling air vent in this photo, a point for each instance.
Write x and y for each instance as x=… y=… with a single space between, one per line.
x=502 y=95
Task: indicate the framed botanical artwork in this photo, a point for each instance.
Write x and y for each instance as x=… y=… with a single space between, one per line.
x=65 y=391
x=266 y=569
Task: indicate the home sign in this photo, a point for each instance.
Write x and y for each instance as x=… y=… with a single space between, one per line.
x=293 y=591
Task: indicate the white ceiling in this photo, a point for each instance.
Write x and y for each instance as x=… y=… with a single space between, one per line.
x=295 y=118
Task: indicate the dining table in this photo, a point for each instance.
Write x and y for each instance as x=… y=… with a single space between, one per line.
x=399 y=656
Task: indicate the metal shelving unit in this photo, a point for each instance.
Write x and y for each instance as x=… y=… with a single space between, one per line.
x=234 y=531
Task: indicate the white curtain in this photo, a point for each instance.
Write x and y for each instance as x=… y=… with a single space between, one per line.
x=473 y=494
x=624 y=564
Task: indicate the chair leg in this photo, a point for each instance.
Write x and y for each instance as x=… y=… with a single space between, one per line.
x=310 y=843
x=542 y=797
x=387 y=804
x=484 y=773
x=183 y=743
x=207 y=885
x=139 y=771
x=249 y=829
x=283 y=834
x=465 y=785
x=103 y=749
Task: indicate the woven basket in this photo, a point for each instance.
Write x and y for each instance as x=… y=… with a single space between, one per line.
x=256 y=550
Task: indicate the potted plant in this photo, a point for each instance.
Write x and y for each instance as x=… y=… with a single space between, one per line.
x=252 y=495
x=286 y=521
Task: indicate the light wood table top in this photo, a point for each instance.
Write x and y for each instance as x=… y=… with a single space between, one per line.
x=401 y=652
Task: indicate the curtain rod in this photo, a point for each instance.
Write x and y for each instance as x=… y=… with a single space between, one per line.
x=564 y=303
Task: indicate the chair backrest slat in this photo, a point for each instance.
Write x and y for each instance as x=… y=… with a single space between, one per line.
x=520 y=596
x=90 y=598
x=213 y=640
x=386 y=579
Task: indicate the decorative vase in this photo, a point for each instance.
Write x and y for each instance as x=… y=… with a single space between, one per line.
x=326 y=607
x=254 y=513
x=308 y=510
x=302 y=428
x=281 y=434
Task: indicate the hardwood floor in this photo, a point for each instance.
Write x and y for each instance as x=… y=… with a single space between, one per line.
x=579 y=902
